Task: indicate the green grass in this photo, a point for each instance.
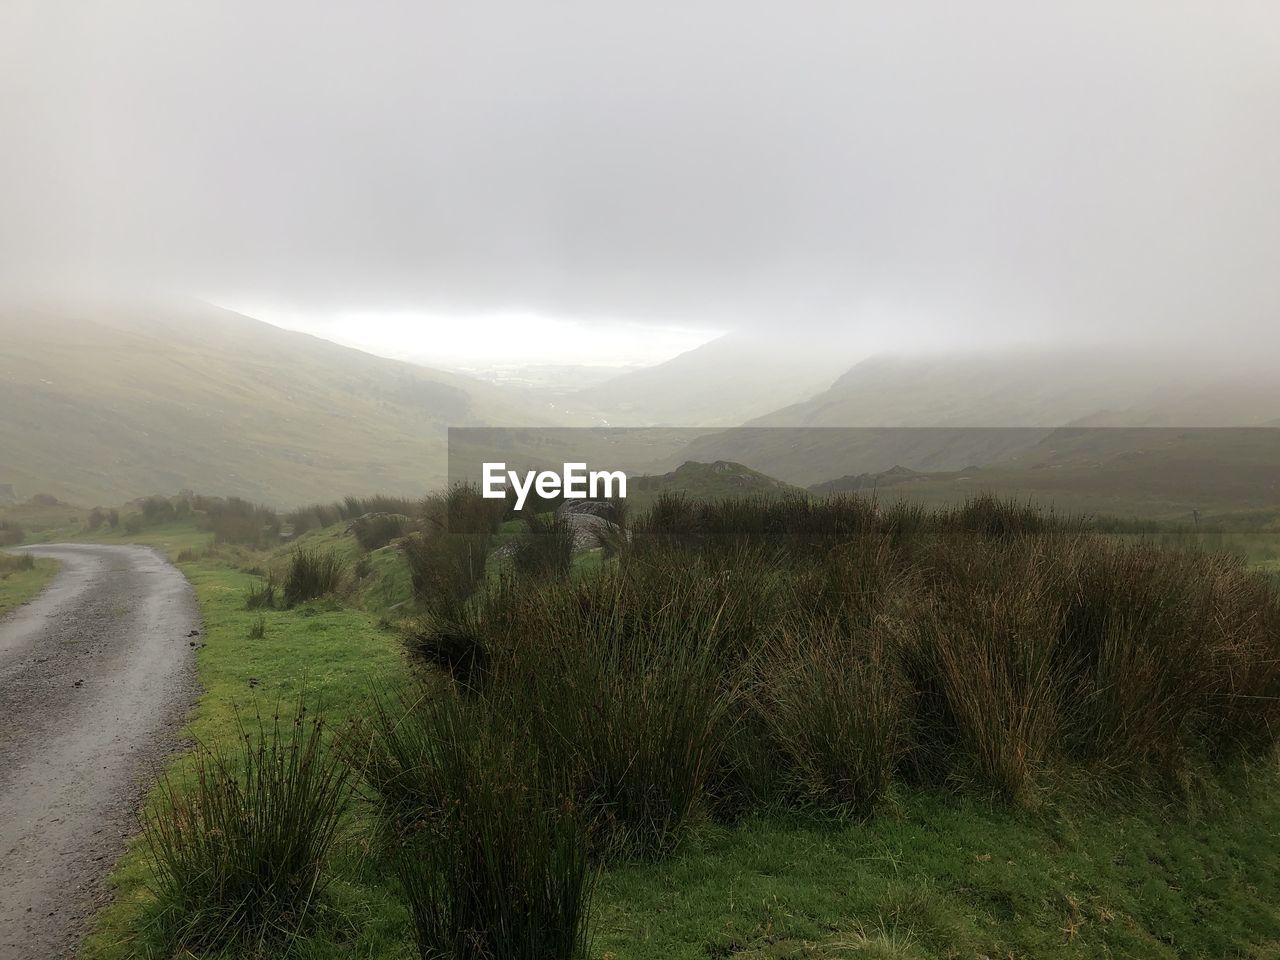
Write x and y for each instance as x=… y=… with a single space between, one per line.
x=17 y=586
x=932 y=874
x=331 y=655
x=958 y=878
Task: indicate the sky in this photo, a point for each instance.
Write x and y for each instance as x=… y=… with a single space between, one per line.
x=613 y=182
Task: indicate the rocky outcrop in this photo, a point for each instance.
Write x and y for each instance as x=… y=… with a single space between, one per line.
x=593 y=522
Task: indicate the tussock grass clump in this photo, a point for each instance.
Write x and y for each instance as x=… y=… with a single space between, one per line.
x=463 y=509
x=545 y=548
x=352 y=507
x=15 y=562
x=263 y=595
x=837 y=716
x=312 y=573
x=821 y=654
x=445 y=569
x=455 y=646
x=626 y=682
x=492 y=854
x=375 y=530
x=315 y=516
x=239 y=845
x=982 y=647
x=258 y=629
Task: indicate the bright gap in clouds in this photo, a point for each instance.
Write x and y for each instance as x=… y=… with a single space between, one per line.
x=505 y=339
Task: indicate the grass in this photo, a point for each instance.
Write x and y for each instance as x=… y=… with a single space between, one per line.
x=22 y=577
x=241 y=845
x=331 y=655
x=492 y=857
x=968 y=796
x=311 y=573
x=962 y=878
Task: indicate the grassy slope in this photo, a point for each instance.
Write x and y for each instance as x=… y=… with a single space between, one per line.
x=933 y=876
x=1159 y=474
x=948 y=877
x=334 y=655
x=105 y=405
x=19 y=586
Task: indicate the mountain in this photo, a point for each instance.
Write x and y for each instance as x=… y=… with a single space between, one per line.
x=710 y=480
x=101 y=404
x=721 y=383
x=946 y=413
x=1167 y=473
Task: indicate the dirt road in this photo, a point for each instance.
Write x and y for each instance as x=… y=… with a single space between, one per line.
x=96 y=674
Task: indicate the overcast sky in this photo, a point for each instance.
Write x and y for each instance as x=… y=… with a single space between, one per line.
x=655 y=171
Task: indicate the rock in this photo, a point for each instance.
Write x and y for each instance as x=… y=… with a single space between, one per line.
x=593 y=508
x=590 y=531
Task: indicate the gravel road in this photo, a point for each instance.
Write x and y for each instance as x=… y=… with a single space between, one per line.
x=96 y=674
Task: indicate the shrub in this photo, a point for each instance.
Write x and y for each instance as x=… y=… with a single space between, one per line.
x=11 y=533
x=134 y=523
x=312 y=573
x=238 y=521
x=156 y=509
x=239 y=846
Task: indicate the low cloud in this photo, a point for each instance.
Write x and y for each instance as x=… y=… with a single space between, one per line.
x=928 y=171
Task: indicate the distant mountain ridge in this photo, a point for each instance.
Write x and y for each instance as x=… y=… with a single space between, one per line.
x=945 y=413
x=721 y=383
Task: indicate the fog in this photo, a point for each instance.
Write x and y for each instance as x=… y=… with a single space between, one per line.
x=910 y=173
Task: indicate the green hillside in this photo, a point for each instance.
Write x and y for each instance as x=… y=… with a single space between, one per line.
x=101 y=405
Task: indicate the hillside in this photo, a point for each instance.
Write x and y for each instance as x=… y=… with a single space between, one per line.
x=1168 y=473
x=936 y=414
x=101 y=405
x=706 y=481
x=721 y=383
x=1050 y=388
